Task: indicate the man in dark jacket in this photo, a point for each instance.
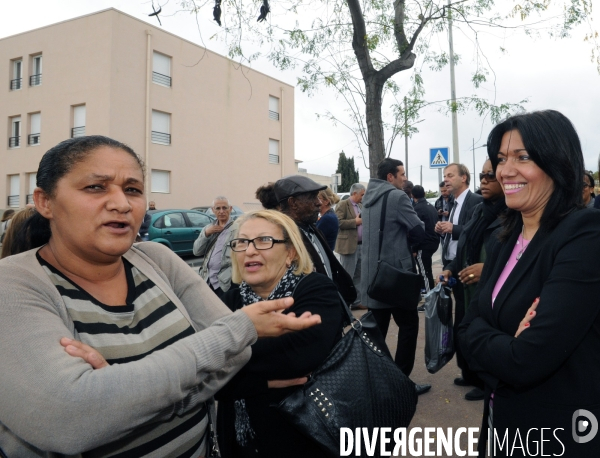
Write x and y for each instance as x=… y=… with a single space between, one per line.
x=297 y=196
x=444 y=202
x=403 y=229
x=426 y=213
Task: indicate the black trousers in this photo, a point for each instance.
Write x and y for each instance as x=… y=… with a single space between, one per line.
x=408 y=330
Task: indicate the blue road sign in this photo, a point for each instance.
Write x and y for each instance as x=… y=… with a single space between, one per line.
x=438 y=158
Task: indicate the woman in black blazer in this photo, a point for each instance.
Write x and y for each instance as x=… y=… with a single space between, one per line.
x=533 y=330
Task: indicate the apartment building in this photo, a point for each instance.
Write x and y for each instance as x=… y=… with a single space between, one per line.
x=204 y=125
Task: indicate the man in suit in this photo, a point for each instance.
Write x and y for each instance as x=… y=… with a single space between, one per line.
x=349 y=240
x=457 y=177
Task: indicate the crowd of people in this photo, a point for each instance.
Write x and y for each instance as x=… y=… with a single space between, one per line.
x=117 y=348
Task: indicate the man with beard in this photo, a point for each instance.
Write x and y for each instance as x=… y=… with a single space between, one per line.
x=297 y=197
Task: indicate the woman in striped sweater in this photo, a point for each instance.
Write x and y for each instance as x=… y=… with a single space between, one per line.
x=170 y=344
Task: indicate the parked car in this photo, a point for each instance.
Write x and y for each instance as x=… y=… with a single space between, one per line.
x=236 y=212
x=177 y=229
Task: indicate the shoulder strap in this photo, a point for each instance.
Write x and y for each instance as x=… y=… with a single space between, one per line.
x=382 y=221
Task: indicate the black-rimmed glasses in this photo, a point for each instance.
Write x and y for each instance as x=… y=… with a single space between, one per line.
x=260 y=243
x=489 y=176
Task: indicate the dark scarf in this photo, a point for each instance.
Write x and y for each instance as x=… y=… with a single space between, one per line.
x=284 y=288
x=489 y=213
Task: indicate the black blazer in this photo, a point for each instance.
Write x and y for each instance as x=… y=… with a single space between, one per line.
x=553 y=368
x=469 y=204
x=427 y=213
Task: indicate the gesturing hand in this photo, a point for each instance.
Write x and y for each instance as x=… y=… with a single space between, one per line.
x=270 y=322
x=88 y=354
x=530 y=315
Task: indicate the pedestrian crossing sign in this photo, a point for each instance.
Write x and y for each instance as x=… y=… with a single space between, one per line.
x=438 y=158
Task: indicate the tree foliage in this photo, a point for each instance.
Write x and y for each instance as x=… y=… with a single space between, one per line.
x=349 y=172
x=356 y=48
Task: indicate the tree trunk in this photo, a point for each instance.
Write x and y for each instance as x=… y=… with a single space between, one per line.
x=374 y=91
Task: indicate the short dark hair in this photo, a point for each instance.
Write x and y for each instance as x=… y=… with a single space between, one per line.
x=462 y=171
x=443 y=184
x=388 y=165
x=57 y=162
x=418 y=192
x=553 y=144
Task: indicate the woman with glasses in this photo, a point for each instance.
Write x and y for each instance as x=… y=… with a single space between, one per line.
x=269 y=262
x=532 y=332
x=471 y=252
x=588 y=189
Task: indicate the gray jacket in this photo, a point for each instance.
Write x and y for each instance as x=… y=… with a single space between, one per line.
x=400 y=218
x=52 y=401
x=204 y=246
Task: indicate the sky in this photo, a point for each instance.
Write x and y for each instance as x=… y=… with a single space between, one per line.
x=550 y=74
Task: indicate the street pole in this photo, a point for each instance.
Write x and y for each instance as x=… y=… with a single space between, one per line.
x=473 y=165
x=405 y=140
x=455 y=152
x=421 y=177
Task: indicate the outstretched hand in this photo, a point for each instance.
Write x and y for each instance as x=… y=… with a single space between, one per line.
x=530 y=315
x=88 y=354
x=270 y=322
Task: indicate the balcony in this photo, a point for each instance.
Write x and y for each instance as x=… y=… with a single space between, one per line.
x=161 y=79
x=33 y=139
x=78 y=131
x=161 y=138
x=13 y=201
x=35 y=80
x=15 y=84
x=273 y=115
x=14 y=142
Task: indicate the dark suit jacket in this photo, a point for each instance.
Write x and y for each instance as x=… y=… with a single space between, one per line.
x=340 y=277
x=428 y=214
x=466 y=211
x=553 y=367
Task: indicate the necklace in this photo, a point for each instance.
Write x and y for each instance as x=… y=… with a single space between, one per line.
x=520 y=253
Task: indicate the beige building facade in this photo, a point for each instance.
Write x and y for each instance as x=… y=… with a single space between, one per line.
x=204 y=125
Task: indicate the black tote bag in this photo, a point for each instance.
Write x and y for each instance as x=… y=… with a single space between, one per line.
x=358 y=385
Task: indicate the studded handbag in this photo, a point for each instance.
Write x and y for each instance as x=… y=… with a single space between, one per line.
x=358 y=385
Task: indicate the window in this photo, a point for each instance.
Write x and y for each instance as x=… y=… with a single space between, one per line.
x=161 y=69
x=273 y=151
x=15 y=190
x=160 y=181
x=36 y=71
x=17 y=74
x=78 y=129
x=161 y=128
x=35 y=124
x=14 y=140
x=197 y=219
x=32 y=186
x=273 y=108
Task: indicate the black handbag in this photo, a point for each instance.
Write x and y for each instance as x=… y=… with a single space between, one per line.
x=396 y=287
x=358 y=385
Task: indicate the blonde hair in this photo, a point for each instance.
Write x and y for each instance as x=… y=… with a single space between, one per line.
x=328 y=195
x=291 y=234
